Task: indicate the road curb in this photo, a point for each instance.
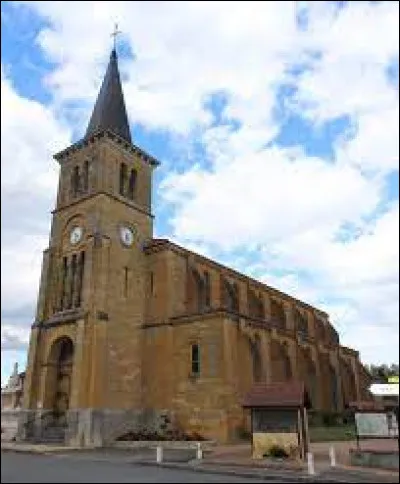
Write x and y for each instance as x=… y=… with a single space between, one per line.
x=33 y=450
x=265 y=474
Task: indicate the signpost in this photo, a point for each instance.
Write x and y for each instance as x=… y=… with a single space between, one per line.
x=385 y=389
x=390 y=389
x=372 y=425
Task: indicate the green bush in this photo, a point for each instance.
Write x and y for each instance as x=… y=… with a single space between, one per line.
x=195 y=436
x=330 y=419
x=333 y=433
x=171 y=435
x=276 y=451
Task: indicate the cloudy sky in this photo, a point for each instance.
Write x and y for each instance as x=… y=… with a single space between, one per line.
x=277 y=125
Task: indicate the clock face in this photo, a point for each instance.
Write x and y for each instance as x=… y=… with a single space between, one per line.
x=76 y=235
x=126 y=234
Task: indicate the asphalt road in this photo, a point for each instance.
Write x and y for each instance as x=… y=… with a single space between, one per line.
x=111 y=465
x=21 y=467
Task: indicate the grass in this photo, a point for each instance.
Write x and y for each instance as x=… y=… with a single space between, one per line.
x=329 y=434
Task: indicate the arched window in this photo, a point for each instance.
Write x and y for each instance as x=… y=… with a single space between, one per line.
x=333 y=387
x=256 y=305
x=348 y=382
x=307 y=372
x=195 y=359
x=319 y=330
x=256 y=360
x=75 y=181
x=333 y=337
x=63 y=290
x=79 y=279
x=132 y=184
x=281 y=368
x=278 y=314
x=287 y=366
x=231 y=296
x=85 y=181
x=311 y=380
x=301 y=324
x=200 y=291
x=71 y=282
x=122 y=179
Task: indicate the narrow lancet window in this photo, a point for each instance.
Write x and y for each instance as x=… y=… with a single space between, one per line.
x=122 y=179
x=64 y=272
x=195 y=360
x=80 y=272
x=132 y=184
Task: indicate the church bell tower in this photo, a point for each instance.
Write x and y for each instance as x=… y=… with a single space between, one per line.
x=84 y=361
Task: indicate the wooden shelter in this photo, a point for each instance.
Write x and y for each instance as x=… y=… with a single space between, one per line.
x=278 y=417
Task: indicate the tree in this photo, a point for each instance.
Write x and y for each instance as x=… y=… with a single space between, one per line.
x=381 y=373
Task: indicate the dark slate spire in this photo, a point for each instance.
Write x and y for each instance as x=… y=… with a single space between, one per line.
x=109 y=111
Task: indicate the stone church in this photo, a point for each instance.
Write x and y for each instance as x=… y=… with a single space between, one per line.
x=132 y=330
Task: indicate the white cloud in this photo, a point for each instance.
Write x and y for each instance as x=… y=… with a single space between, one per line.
x=30 y=134
x=274 y=194
x=184 y=52
x=14 y=338
x=362 y=274
x=375 y=145
x=350 y=78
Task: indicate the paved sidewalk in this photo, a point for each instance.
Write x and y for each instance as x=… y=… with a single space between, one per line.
x=241 y=453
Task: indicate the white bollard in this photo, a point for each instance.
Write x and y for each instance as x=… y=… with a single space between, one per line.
x=159 y=454
x=199 y=453
x=332 y=456
x=310 y=464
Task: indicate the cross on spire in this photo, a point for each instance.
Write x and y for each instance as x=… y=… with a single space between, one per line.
x=115 y=33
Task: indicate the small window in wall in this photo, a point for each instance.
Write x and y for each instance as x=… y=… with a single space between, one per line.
x=126 y=273
x=195 y=359
x=151 y=282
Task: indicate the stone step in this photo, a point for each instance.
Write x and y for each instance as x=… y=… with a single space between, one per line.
x=53 y=434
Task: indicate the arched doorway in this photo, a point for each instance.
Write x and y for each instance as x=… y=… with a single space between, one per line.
x=59 y=391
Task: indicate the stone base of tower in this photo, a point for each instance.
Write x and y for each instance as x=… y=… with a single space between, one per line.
x=92 y=427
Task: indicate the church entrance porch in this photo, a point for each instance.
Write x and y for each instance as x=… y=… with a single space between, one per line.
x=58 y=379
x=49 y=421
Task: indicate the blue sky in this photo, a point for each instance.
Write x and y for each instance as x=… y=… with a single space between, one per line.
x=277 y=132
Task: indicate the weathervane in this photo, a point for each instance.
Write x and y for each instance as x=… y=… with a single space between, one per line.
x=115 y=33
